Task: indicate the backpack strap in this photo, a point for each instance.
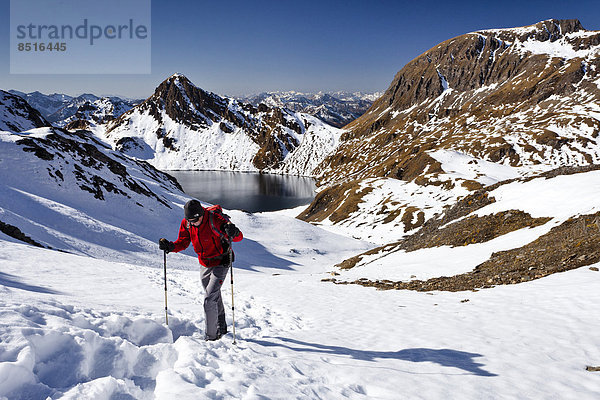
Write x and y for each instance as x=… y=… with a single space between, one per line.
x=211 y=220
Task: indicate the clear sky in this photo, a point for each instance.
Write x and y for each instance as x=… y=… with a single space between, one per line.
x=243 y=47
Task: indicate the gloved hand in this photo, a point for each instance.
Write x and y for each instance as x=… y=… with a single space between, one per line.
x=226 y=259
x=166 y=245
x=231 y=230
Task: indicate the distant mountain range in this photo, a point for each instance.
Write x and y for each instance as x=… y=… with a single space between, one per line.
x=335 y=108
x=62 y=109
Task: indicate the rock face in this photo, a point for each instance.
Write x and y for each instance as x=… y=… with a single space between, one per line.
x=522 y=98
x=16 y=115
x=184 y=127
x=337 y=109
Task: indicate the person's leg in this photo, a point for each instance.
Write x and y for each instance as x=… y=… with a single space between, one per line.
x=205 y=274
x=213 y=304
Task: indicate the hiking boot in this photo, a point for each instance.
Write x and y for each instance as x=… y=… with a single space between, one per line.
x=219 y=335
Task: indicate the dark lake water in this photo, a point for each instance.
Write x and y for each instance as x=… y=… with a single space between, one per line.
x=252 y=192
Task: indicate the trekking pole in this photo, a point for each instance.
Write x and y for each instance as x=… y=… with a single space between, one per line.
x=232 y=306
x=166 y=316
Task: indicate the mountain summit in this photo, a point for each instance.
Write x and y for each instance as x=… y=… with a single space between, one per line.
x=182 y=126
x=473 y=110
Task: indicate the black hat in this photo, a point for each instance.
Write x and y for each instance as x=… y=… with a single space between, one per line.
x=193 y=210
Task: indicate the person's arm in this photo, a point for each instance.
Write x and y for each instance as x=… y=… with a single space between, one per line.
x=183 y=239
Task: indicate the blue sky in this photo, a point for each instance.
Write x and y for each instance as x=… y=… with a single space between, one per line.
x=235 y=47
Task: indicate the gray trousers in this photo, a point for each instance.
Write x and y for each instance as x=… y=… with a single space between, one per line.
x=214 y=312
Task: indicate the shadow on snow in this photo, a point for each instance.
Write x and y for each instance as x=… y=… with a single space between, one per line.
x=443 y=357
x=12 y=281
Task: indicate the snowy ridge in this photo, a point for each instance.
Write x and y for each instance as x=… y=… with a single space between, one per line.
x=183 y=127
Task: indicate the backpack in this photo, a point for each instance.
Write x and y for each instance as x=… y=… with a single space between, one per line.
x=225 y=240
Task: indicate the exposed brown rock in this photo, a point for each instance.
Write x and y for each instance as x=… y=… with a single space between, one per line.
x=336 y=202
x=571 y=245
x=77 y=124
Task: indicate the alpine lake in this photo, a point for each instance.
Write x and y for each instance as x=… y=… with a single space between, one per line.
x=248 y=191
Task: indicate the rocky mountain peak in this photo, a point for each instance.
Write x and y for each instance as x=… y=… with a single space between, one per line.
x=182 y=126
x=550 y=29
x=186 y=103
x=494 y=56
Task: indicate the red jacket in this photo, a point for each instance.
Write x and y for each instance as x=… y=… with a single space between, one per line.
x=207 y=244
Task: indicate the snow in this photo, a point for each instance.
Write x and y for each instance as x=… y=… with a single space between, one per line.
x=443 y=80
x=86 y=320
x=458 y=165
x=560 y=197
x=93 y=328
x=13 y=113
x=560 y=48
x=438 y=261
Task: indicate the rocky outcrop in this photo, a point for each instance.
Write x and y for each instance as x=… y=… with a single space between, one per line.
x=571 y=245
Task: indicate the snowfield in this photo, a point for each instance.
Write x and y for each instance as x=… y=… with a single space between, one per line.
x=76 y=327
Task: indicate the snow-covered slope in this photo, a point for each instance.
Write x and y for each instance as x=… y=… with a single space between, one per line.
x=75 y=327
x=16 y=115
x=69 y=191
x=557 y=199
x=183 y=127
